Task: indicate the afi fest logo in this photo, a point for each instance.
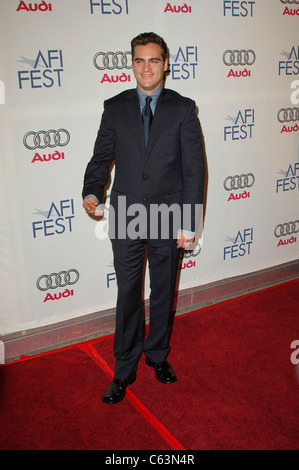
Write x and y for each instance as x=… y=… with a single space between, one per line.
x=111 y=7
x=45 y=70
x=56 y=221
x=242 y=127
x=183 y=63
x=291 y=65
x=290 y=182
x=239 y=9
x=240 y=245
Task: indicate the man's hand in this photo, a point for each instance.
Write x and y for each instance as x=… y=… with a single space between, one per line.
x=90 y=205
x=184 y=240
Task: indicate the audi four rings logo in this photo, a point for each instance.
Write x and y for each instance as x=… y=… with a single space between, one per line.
x=113 y=60
x=288 y=114
x=239 y=182
x=54 y=280
x=43 y=139
x=290 y=2
x=289 y=228
x=241 y=57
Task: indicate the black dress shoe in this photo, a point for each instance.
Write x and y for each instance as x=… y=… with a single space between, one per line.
x=163 y=371
x=117 y=390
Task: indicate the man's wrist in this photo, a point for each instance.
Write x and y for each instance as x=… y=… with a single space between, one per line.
x=94 y=197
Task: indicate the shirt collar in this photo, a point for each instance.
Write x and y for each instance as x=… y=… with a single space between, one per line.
x=155 y=95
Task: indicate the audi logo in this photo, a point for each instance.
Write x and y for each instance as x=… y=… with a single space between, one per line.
x=287 y=228
x=291 y=2
x=113 y=60
x=288 y=114
x=43 y=139
x=54 y=280
x=241 y=57
x=239 y=182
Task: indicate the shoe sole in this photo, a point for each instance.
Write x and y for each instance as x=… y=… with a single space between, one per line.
x=166 y=381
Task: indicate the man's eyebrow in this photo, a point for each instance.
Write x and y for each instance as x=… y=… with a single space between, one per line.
x=151 y=58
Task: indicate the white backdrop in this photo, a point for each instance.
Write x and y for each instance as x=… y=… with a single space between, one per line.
x=239 y=60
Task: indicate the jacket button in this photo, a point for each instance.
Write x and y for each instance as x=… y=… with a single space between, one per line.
x=144 y=199
x=145 y=177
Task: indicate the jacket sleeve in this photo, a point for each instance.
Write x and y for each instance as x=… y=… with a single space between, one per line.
x=98 y=169
x=193 y=167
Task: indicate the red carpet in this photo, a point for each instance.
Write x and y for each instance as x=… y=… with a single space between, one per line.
x=237 y=387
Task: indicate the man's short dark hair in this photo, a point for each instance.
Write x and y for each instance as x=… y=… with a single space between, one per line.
x=146 y=38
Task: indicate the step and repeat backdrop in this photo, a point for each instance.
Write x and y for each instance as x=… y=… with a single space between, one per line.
x=60 y=59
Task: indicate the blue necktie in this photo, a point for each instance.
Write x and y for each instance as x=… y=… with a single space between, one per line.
x=147 y=118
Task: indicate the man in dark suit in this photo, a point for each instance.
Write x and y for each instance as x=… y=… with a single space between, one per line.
x=159 y=175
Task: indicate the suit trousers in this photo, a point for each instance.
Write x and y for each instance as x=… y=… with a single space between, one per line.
x=130 y=262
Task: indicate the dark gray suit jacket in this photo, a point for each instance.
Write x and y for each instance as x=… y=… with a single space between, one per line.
x=169 y=171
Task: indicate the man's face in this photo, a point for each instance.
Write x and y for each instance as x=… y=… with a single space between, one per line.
x=149 y=67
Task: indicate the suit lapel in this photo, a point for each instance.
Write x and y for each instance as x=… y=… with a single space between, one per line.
x=134 y=117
